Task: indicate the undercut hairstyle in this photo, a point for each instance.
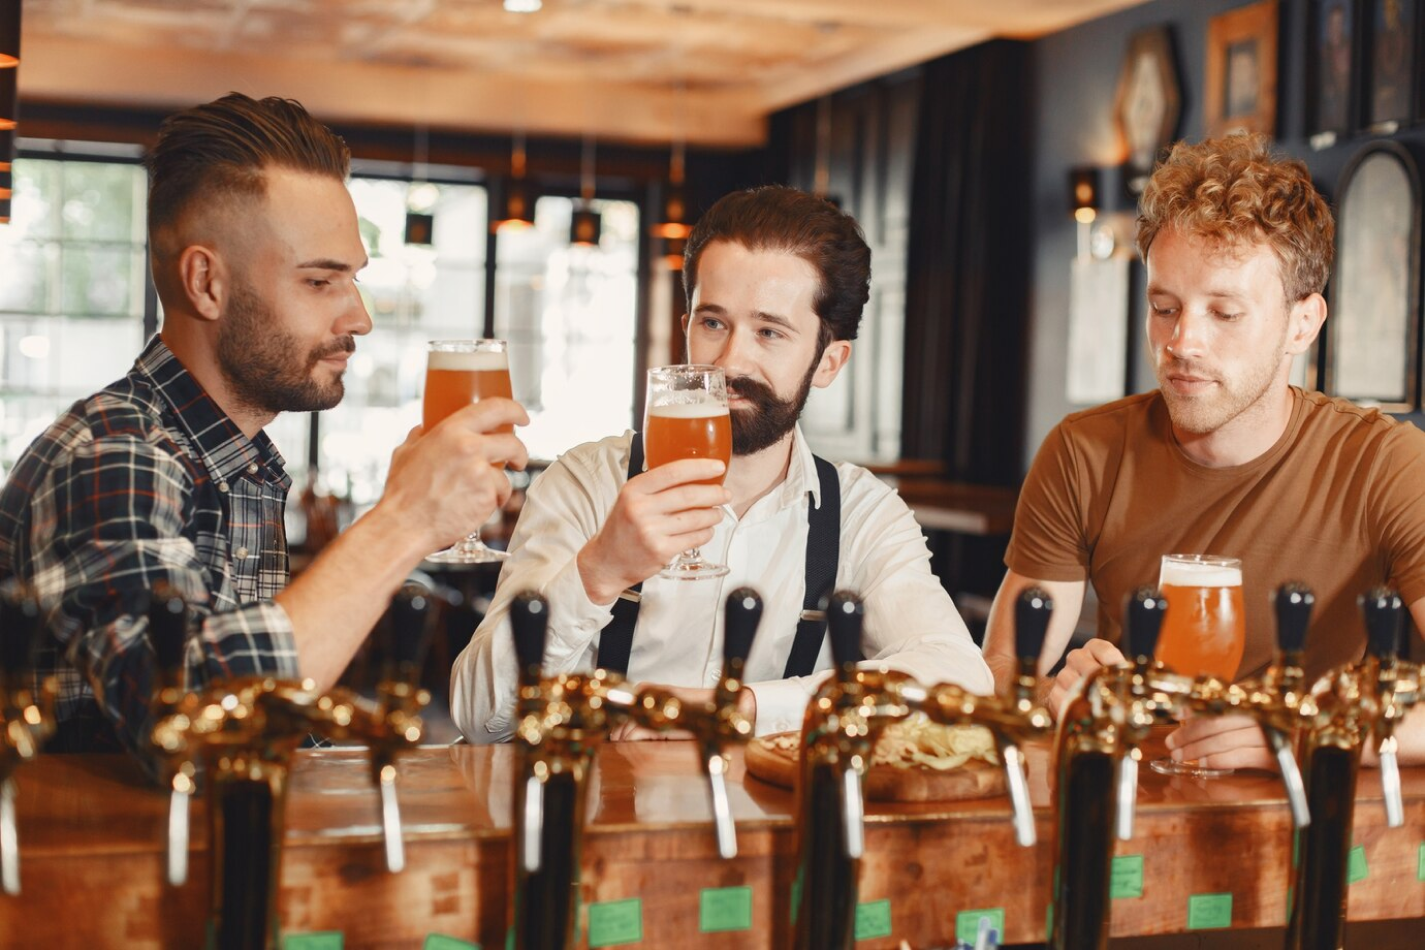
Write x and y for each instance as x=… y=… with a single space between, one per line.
x=778 y=218
x=1233 y=191
x=220 y=150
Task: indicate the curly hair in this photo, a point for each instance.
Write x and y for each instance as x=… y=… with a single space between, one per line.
x=1232 y=190
x=779 y=218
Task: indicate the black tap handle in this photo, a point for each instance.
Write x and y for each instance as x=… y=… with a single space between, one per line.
x=21 y=621
x=529 y=618
x=1293 y=602
x=1031 y=624
x=1385 y=622
x=409 y=627
x=844 y=616
x=168 y=630
x=1142 y=621
x=743 y=614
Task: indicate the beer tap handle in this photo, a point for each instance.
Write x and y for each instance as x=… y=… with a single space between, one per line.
x=740 y=620
x=1031 y=624
x=844 y=617
x=1293 y=603
x=1390 y=782
x=407 y=634
x=1142 y=621
x=1385 y=623
x=21 y=621
x=853 y=812
x=168 y=633
x=391 y=818
x=533 y=823
x=529 y=619
x=9 y=839
x=1017 y=785
x=1127 y=803
x=722 y=808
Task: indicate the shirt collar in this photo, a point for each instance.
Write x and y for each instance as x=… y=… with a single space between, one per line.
x=227 y=453
x=801 y=477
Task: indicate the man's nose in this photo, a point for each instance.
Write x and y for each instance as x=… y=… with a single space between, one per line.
x=1189 y=335
x=356 y=320
x=735 y=355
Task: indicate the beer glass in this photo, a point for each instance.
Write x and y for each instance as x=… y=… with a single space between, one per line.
x=685 y=417
x=459 y=372
x=1204 y=628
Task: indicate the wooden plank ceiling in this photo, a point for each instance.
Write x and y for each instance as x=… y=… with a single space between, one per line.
x=708 y=71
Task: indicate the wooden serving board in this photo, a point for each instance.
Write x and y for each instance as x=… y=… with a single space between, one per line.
x=884 y=783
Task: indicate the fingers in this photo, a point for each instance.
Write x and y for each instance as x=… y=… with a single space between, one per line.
x=664 y=477
x=487 y=415
x=1231 y=742
x=1104 y=653
x=1093 y=655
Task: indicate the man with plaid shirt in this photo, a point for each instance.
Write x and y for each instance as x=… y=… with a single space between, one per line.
x=166 y=475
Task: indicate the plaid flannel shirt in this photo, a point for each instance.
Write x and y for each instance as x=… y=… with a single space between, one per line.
x=147 y=481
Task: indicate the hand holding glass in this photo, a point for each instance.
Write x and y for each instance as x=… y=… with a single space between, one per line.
x=1204 y=629
x=458 y=373
x=686 y=417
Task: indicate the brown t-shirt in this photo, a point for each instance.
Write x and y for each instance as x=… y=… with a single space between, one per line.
x=1337 y=503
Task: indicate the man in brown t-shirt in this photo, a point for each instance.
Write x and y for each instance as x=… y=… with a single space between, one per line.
x=1225 y=457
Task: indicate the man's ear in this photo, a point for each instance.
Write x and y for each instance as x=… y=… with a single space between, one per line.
x=833 y=358
x=204 y=281
x=1306 y=317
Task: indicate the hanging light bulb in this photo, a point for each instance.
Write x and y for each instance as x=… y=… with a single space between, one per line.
x=821 y=179
x=516 y=207
x=421 y=197
x=586 y=225
x=9 y=33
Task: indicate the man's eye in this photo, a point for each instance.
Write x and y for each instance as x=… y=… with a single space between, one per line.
x=771 y=334
x=1163 y=311
x=711 y=324
x=1228 y=317
x=318 y=283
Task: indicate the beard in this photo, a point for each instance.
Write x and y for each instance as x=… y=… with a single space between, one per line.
x=1229 y=399
x=770 y=417
x=264 y=365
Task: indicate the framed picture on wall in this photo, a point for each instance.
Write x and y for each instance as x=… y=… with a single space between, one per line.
x=1373 y=334
x=1332 y=69
x=1148 y=102
x=1390 y=66
x=1242 y=70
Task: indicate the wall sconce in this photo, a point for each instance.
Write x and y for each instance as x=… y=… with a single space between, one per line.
x=515 y=205
x=9 y=33
x=1085 y=196
x=586 y=225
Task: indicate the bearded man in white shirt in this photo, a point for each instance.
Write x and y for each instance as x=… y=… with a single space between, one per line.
x=776 y=281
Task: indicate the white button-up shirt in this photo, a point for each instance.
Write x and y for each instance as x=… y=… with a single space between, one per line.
x=911 y=624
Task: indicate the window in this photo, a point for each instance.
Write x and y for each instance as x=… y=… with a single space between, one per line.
x=72 y=297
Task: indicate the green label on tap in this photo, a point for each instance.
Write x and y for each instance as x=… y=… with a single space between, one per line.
x=873 y=919
x=325 y=940
x=444 y=942
x=1209 y=911
x=1356 y=869
x=615 y=922
x=1420 y=864
x=967 y=923
x=1126 y=877
x=722 y=909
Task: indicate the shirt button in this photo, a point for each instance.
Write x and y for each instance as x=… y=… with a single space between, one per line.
x=252 y=468
x=223 y=487
x=241 y=553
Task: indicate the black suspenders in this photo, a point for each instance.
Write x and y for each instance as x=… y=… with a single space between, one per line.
x=823 y=553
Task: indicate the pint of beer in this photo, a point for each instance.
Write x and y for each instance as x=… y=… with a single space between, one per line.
x=1204 y=629
x=459 y=372
x=700 y=430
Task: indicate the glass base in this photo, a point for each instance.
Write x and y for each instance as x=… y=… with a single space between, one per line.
x=690 y=566
x=469 y=551
x=1167 y=766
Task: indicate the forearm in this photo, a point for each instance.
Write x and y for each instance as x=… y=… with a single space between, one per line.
x=336 y=602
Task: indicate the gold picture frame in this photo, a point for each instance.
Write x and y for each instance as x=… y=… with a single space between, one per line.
x=1242 y=70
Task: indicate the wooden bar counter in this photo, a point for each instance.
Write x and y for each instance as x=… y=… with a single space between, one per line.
x=92 y=834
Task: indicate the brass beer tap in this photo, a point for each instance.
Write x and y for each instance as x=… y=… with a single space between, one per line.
x=28 y=709
x=839 y=733
x=562 y=721
x=1107 y=718
x=1354 y=704
x=241 y=734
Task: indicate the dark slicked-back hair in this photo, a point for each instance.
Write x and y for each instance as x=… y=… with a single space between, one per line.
x=778 y=218
x=221 y=148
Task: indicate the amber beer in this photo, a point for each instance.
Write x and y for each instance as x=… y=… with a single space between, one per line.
x=697 y=431
x=1204 y=629
x=456 y=378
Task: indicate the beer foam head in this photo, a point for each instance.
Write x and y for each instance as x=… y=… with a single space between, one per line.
x=466 y=361
x=689 y=410
x=1199 y=574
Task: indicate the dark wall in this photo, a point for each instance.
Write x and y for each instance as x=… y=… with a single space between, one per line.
x=1077 y=77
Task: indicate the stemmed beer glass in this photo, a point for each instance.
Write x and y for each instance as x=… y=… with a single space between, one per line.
x=1204 y=629
x=459 y=372
x=685 y=416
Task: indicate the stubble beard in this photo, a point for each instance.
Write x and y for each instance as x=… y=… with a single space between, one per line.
x=261 y=363
x=770 y=418
x=1229 y=400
